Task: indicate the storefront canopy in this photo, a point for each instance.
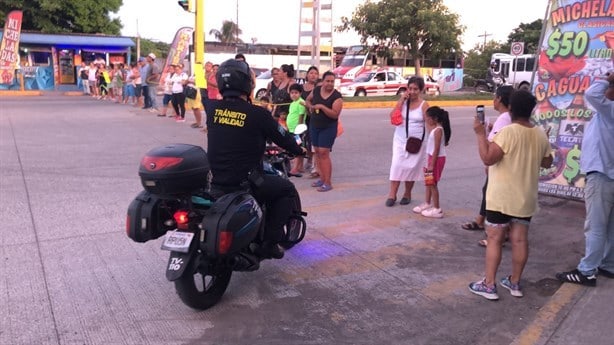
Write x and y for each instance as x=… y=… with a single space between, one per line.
x=74 y=40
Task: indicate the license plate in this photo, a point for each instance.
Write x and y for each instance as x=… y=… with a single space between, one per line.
x=177 y=241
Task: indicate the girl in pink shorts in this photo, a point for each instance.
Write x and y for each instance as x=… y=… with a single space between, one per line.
x=438 y=121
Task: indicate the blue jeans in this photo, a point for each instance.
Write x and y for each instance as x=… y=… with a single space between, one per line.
x=146 y=98
x=86 y=86
x=599 y=224
x=153 y=89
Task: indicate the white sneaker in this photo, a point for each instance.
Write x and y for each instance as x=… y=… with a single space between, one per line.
x=432 y=213
x=421 y=207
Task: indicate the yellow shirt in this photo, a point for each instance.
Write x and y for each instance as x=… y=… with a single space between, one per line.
x=512 y=182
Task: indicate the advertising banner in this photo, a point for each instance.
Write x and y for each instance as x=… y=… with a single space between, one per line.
x=9 y=48
x=180 y=48
x=576 y=49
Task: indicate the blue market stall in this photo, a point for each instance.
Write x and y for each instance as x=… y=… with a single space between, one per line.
x=51 y=61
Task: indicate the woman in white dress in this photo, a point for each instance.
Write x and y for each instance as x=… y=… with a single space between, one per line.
x=408 y=167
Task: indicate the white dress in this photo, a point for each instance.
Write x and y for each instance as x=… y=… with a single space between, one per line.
x=406 y=166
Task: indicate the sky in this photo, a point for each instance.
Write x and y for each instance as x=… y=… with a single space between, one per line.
x=277 y=21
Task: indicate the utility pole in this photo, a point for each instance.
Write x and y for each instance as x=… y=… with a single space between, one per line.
x=138 y=41
x=485 y=35
x=237 y=30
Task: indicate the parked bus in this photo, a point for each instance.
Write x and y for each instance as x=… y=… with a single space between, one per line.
x=357 y=59
x=516 y=70
x=447 y=73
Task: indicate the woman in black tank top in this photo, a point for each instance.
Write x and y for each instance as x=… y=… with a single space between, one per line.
x=325 y=104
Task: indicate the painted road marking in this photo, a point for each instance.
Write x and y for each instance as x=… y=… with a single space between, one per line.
x=544 y=320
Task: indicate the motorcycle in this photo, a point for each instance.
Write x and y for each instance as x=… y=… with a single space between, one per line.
x=488 y=86
x=276 y=162
x=210 y=233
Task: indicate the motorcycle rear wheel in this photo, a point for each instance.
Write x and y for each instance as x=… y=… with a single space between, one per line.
x=481 y=88
x=295 y=227
x=202 y=291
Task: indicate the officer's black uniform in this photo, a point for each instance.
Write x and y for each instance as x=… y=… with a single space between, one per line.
x=236 y=139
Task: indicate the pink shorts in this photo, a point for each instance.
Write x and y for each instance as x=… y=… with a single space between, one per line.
x=438 y=167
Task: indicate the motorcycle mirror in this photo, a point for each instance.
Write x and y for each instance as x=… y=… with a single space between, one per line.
x=300 y=129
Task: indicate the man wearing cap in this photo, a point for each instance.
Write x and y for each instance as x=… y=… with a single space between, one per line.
x=152 y=80
x=597 y=162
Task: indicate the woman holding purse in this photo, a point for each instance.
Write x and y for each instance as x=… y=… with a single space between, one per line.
x=405 y=166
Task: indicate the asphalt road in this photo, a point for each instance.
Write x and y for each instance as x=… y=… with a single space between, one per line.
x=365 y=274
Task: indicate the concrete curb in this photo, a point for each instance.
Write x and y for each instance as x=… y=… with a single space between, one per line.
x=391 y=104
x=20 y=93
x=346 y=105
x=73 y=93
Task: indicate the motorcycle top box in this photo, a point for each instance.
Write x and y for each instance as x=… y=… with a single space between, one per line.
x=174 y=169
x=232 y=222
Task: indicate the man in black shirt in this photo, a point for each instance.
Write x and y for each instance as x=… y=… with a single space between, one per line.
x=236 y=139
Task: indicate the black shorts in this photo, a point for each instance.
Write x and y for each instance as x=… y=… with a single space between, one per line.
x=498 y=218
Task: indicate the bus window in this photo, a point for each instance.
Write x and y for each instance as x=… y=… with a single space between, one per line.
x=520 y=65
x=371 y=60
x=530 y=64
x=352 y=61
x=505 y=69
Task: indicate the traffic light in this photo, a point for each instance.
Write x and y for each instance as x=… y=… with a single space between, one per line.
x=187 y=5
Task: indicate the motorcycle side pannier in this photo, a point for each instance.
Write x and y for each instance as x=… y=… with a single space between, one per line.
x=145 y=218
x=174 y=169
x=231 y=223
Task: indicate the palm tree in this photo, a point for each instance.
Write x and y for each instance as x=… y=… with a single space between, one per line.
x=229 y=33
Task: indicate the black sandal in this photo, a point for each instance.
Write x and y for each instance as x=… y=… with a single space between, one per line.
x=472 y=226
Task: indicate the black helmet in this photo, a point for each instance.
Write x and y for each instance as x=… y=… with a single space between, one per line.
x=234 y=78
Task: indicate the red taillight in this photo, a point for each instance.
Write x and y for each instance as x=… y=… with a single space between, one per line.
x=128 y=225
x=224 y=242
x=158 y=163
x=181 y=218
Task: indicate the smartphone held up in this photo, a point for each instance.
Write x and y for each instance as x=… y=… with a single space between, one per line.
x=479 y=111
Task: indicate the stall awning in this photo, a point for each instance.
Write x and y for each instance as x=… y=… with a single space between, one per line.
x=75 y=40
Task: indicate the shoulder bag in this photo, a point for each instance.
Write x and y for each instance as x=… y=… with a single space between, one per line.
x=413 y=144
x=190 y=92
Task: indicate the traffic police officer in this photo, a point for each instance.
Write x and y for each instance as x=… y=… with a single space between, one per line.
x=237 y=132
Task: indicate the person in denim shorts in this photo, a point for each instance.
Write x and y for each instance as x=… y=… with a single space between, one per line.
x=325 y=104
x=513 y=159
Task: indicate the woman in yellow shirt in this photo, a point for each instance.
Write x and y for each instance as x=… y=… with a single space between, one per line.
x=514 y=158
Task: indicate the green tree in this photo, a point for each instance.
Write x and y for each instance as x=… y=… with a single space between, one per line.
x=54 y=16
x=159 y=48
x=425 y=28
x=477 y=61
x=527 y=33
x=228 y=33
